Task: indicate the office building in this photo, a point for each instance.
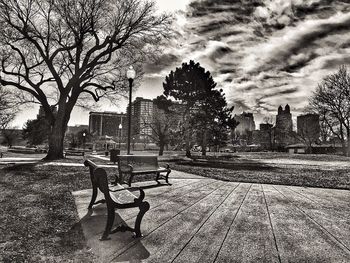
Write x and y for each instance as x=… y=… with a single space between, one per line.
x=108 y=123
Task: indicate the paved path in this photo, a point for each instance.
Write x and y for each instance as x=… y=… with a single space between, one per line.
x=204 y=220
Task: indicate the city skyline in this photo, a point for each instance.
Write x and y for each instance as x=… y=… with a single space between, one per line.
x=263 y=56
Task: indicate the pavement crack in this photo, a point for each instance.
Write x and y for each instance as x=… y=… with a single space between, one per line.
x=338 y=241
x=205 y=222
x=228 y=230
x=123 y=250
x=290 y=189
x=271 y=225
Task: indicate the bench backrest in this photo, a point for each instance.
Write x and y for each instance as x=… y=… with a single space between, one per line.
x=138 y=162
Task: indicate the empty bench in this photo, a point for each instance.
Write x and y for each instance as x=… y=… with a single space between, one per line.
x=112 y=198
x=132 y=165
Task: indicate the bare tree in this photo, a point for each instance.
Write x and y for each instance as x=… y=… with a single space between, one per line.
x=60 y=52
x=331 y=101
x=325 y=131
x=9 y=137
x=8 y=107
x=162 y=124
x=160 y=128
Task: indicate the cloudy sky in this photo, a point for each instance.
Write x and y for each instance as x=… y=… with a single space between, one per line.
x=263 y=53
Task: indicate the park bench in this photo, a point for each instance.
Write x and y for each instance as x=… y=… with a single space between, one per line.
x=74 y=153
x=132 y=165
x=115 y=199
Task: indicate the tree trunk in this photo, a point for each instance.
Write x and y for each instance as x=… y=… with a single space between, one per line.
x=344 y=148
x=204 y=143
x=56 y=137
x=161 y=148
x=348 y=142
x=55 y=145
x=188 y=147
x=188 y=139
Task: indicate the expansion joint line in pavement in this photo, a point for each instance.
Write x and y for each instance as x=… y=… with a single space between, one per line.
x=187 y=207
x=342 y=245
x=200 y=227
x=168 y=201
x=273 y=231
x=234 y=218
x=306 y=197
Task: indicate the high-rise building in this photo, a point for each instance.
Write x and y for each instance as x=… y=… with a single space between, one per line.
x=144 y=114
x=308 y=126
x=284 y=127
x=141 y=118
x=264 y=136
x=108 y=123
x=246 y=123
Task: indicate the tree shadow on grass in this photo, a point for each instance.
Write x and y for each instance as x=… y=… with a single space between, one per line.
x=242 y=165
x=29 y=167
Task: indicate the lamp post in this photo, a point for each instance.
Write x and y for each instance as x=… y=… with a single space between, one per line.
x=120 y=133
x=130 y=74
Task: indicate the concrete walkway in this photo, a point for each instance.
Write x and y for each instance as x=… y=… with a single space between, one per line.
x=204 y=220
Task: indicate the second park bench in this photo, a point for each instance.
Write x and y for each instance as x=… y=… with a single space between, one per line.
x=132 y=165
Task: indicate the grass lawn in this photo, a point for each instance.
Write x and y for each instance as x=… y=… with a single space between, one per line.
x=39 y=219
x=250 y=167
x=296 y=175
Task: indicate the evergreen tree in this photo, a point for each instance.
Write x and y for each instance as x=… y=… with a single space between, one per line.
x=206 y=106
x=36 y=131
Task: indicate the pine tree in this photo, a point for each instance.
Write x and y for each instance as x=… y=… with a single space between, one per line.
x=206 y=106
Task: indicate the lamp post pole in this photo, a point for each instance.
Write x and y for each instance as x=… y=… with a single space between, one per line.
x=130 y=74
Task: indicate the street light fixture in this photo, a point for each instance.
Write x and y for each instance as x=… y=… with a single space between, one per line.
x=120 y=133
x=130 y=74
x=84 y=134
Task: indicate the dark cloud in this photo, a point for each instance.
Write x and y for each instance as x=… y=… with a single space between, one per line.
x=164 y=61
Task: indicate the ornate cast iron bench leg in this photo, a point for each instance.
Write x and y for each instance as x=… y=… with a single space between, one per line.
x=144 y=207
x=110 y=221
x=166 y=177
x=157 y=177
x=138 y=202
x=130 y=179
x=94 y=193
